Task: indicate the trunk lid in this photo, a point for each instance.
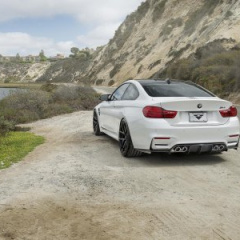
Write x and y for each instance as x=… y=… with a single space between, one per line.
x=194 y=110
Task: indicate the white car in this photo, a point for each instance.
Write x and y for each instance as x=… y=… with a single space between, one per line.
x=166 y=116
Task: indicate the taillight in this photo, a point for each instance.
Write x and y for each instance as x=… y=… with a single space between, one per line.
x=158 y=112
x=231 y=112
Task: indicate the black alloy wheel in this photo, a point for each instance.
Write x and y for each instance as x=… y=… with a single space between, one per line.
x=125 y=142
x=96 y=128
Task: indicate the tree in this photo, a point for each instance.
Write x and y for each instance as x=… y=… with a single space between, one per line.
x=74 y=51
x=42 y=56
x=18 y=58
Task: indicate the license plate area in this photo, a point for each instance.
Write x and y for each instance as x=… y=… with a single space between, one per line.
x=198 y=117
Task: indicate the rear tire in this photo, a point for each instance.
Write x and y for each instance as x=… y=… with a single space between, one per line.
x=96 y=128
x=125 y=142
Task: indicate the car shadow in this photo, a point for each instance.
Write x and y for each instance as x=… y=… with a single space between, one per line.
x=165 y=159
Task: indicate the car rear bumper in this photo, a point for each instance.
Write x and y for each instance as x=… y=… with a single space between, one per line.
x=197 y=148
x=162 y=137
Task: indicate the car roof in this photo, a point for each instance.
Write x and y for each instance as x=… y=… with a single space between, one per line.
x=162 y=81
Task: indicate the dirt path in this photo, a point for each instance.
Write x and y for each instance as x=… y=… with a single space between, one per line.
x=77 y=186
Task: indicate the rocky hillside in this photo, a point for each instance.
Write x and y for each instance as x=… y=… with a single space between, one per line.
x=157 y=37
x=162 y=31
x=22 y=72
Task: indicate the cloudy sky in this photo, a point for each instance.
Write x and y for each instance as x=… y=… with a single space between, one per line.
x=27 y=26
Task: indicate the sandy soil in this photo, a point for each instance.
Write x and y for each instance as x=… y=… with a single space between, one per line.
x=77 y=186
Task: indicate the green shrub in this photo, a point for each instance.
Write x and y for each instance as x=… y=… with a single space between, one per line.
x=111 y=82
x=30 y=101
x=48 y=87
x=158 y=11
x=140 y=69
x=142 y=11
x=30 y=105
x=5 y=126
x=63 y=94
x=99 y=82
x=115 y=70
x=154 y=64
x=228 y=14
x=211 y=66
x=178 y=53
x=55 y=109
x=224 y=58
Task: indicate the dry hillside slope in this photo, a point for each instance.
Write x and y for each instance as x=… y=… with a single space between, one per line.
x=160 y=31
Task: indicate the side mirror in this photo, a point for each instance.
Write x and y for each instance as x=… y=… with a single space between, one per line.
x=105 y=97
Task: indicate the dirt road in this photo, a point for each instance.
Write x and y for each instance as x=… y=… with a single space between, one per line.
x=77 y=186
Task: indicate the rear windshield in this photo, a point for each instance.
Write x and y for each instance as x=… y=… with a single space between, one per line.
x=175 y=90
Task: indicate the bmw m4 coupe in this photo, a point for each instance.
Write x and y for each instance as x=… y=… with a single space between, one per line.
x=166 y=116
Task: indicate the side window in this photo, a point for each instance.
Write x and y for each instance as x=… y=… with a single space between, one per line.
x=117 y=95
x=131 y=93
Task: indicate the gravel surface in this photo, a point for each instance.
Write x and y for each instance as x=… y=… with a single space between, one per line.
x=78 y=186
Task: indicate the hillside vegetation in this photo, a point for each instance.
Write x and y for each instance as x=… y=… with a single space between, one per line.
x=211 y=66
x=50 y=100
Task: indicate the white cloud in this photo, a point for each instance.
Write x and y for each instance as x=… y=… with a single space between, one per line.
x=25 y=44
x=97 y=36
x=86 y=11
x=101 y=17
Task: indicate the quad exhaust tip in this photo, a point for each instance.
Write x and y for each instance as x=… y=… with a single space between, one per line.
x=218 y=148
x=180 y=149
x=186 y=148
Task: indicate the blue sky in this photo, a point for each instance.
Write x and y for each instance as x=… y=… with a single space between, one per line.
x=60 y=28
x=27 y=26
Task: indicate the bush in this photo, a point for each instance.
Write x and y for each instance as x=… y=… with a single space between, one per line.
x=33 y=101
x=30 y=105
x=141 y=11
x=48 y=87
x=178 y=53
x=228 y=14
x=111 y=82
x=5 y=126
x=158 y=11
x=115 y=70
x=63 y=93
x=154 y=64
x=99 y=82
x=88 y=98
x=57 y=109
x=211 y=66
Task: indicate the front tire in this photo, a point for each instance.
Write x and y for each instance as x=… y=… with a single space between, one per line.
x=125 y=142
x=96 y=128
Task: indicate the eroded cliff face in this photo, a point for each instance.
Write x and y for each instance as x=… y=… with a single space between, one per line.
x=22 y=72
x=162 y=31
